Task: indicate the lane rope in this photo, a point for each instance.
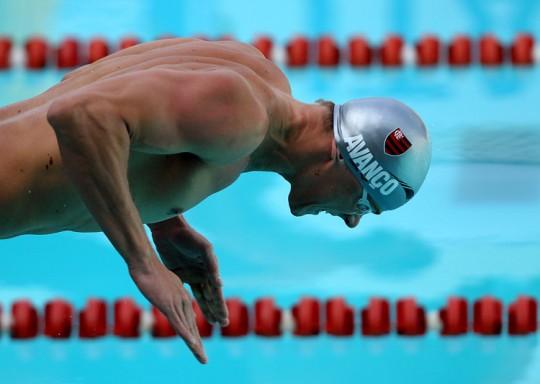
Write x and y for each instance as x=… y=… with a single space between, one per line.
x=487 y=316
x=301 y=51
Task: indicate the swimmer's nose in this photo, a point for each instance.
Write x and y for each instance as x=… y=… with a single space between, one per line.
x=351 y=220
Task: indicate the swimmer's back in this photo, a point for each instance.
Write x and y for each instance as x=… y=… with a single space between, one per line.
x=174 y=54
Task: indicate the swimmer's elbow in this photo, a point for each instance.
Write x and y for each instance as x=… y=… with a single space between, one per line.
x=65 y=113
x=78 y=113
x=88 y=122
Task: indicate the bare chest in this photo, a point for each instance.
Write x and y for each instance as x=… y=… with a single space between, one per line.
x=163 y=186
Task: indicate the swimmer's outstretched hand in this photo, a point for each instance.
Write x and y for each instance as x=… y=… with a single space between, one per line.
x=164 y=290
x=191 y=257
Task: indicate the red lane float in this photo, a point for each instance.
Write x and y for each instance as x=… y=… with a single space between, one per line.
x=204 y=327
x=93 y=319
x=161 y=327
x=37 y=53
x=127 y=318
x=411 y=318
x=238 y=319
x=522 y=50
x=523 y=316
x=67 y=55
x=460 y=51
x=375 y=318
x=391 y=52
x=327 y=52
x=128 y=41
x=5 y=52
x=307 y=317
x=24 y=320
x=267 y=318
x=454 y=317
x=487 y=316
x=97 y=49
x=360 y=52
x=428 y=51
x=491 y=51
x=339 y=317
x=298 y=52
x=58 y=319
x=265 y=45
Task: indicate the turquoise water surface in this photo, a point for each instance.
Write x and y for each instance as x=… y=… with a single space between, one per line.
x=472 y=231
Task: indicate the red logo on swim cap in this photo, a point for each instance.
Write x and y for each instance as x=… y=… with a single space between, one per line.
x=396 y=143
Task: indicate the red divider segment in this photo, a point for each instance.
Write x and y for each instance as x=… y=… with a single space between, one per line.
x=93 y=319
x=127 y=318
x=58 y=319
x=391 y=52
x=339 y=317
x=522 y=50
x=298 y=52
x=428 y=51
x=375 y=318
x=5 y=52
x=68 y=53
x=454 y=317
x=307 y=317
x=238 y=319
x=460 y=51
x=487 y=316
x=128 y=41
x=360 y=53
x=411 y=318
x=37 y=53
x=265 y=45
x=267 y=318
x=523 y=316
x=97 y=49
x=327 y=52
x=491 y=51
x=24 y=320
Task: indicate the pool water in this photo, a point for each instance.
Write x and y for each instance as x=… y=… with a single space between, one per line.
x=471 y=231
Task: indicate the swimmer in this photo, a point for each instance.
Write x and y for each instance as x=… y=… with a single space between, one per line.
x=145 y=134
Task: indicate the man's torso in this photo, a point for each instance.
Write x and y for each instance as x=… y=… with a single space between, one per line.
x=37 y=197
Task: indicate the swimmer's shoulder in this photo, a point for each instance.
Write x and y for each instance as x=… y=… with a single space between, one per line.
x=219 y=114
x=233 y=118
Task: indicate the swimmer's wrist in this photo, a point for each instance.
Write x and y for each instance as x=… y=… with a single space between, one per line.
x=143 y=263
x=173 y=222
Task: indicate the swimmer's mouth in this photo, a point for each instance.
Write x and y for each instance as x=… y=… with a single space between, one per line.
x=306 y=209
x=310 y=209
x=351 y=220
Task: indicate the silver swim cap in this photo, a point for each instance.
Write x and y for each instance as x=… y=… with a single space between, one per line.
x=386 y=146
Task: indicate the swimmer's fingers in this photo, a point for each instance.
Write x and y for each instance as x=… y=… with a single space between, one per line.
x=190 y=317
x=182 y=321
x=213 y=295
x=203 y=304
x=212 y=289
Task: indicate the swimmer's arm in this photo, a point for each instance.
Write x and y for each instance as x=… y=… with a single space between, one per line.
x=94 y=142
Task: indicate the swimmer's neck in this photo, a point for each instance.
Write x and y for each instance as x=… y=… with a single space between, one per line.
x=299 y=138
